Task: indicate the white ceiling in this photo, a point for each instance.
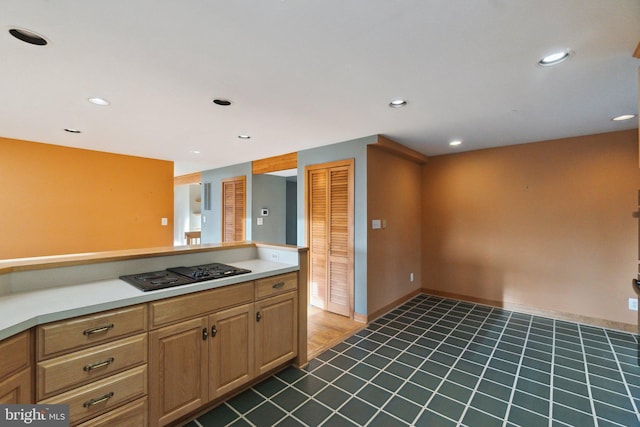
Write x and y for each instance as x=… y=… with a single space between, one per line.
x=305 y=73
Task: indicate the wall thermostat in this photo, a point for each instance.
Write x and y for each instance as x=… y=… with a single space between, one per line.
x=264 y=212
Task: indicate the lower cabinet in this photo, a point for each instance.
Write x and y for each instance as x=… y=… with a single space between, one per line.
x=16 y=372
x=276 y=331
x=132 y=414
x=96 y=365
x=198 y=360
x=17 y=388
x=231 y=350
x=178 y=360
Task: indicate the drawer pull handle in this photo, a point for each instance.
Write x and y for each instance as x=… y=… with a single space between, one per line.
x=278 y=285
x=97 y=400
x=258 y=316
x=214 y=331
x=99 y=330
x=205 y=334
x=101 y=364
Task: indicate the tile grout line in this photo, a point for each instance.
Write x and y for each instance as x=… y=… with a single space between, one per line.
x=622 y=374
x=486 y=365
x=588 y=381
x=553 y=371
x=435 y=392
x=517 y=374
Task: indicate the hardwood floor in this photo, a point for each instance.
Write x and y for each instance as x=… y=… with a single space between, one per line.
x=324 y=330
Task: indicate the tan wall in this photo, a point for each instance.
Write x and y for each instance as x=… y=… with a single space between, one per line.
x=59 y=200
x=549 y=225
x=393 y=194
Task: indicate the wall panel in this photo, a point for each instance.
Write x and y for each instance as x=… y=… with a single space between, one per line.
x=60 y=200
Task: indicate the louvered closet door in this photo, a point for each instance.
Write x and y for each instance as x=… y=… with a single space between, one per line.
x=340 y=281
x=318 y=237
x=331 y=236
x=233 y=209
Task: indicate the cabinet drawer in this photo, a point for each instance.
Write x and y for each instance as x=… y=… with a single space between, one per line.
x=64 y=372
x=132 y=414
x=80 y=332
x=193 y=305
x=276 y=285
x=101 y=396
x=15 y=353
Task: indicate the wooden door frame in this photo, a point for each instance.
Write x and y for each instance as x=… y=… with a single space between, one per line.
x=350 y=163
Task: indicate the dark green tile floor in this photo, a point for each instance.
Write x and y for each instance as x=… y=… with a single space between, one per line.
x=442 y=362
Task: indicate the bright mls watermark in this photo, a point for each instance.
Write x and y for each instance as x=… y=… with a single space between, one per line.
x=34 y=415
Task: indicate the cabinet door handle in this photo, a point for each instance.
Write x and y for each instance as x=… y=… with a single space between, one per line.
x=258 y=316
x=205 y=334
x=101 y=364
x=98 y=330
x=214 y=331
x=278 y=285
x=98 y=400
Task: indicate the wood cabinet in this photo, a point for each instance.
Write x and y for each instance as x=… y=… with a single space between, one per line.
x=276 y=331
x=16 y=377
x=178 y=358
x=231 y=349
x=96 y=364
x=202 y=356
x=276 y=322
x=156 y=363
x=185 y=357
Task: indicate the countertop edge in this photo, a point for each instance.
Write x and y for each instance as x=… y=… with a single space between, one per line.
x=134 y=297
x=68 y=260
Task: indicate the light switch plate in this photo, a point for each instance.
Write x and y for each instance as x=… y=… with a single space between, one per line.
x=375 y=224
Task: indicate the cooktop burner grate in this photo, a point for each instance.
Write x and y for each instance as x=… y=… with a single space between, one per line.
x=177 y=276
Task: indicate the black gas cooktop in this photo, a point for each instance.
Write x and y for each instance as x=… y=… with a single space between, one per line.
x=177 y=276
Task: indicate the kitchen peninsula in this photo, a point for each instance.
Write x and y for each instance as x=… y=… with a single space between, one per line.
x=72 y=332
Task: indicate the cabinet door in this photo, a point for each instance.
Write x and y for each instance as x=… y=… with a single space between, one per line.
x=276 y=331
x=178 y=370
x=231 y=349
x=17 y=388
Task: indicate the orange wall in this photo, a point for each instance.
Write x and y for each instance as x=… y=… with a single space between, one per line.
x=548 y=225
x=393 y=194
x=59 y=200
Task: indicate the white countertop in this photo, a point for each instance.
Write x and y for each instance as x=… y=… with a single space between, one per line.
x=22 y=310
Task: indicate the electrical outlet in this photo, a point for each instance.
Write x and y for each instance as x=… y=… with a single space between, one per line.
x=275 y=257
x=411 y=277
x=633 y=304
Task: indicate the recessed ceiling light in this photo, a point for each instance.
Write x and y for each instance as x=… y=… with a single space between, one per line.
x=555 y=58
x=28 y=36
x=72 y=130
x=194 y=151
x=222 y=102
x=624 y=117
x=244 y=136
x=455 y=143
x=398 y=103
x=99 y=101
